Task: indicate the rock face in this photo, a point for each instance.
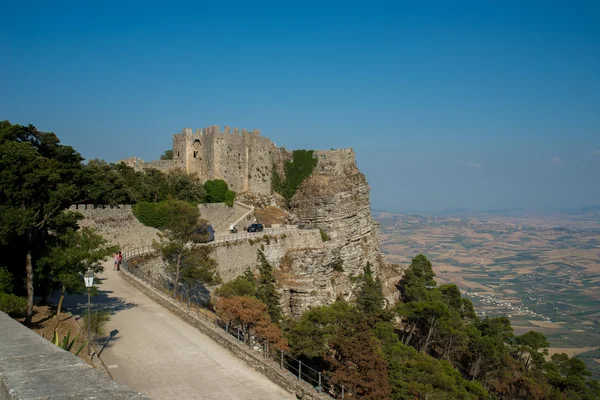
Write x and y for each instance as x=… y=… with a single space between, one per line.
x=335 y=199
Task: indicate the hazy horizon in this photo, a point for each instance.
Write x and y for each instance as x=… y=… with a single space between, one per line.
x=500 y=211
x=478 y=105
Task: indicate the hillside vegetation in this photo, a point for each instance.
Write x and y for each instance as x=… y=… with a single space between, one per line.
x=296 y=171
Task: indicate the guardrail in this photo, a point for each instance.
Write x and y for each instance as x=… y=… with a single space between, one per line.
x=249 y=235
x=302 y=371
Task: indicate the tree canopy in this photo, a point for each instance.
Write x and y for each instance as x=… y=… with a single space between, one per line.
x=177 y=249
x=217 y=191
x=39 y=178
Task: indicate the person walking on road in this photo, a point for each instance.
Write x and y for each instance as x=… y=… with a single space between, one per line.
x=116 y=265
x=120 y=261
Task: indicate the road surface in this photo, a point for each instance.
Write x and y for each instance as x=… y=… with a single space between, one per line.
x=154 y=352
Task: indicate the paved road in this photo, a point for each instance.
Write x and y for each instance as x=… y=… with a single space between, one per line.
x=156 y=353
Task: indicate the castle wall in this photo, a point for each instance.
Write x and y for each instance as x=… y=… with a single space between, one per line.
x=243 y=159
x=334 y=161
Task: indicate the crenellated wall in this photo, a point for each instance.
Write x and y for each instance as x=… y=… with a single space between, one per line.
x=242 y=158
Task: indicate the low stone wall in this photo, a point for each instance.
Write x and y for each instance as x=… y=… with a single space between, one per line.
x=118 y=225
x=33 y=368
x=234 y=257
x=268 y=367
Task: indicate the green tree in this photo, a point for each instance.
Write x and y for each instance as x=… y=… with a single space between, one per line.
x=167 y=155
x=309 y=335
x=417 y=279
x=154 y=186
x=199 y=268
x=529 y=343
x=185 y=187
x=369 y=298
x=175 y=240
x=6 y=280
x=217 y=192
x=267 y=287
x=413 y=375
x=39 y=178
x=74 y=253
x=244 y=285
x=105 y=185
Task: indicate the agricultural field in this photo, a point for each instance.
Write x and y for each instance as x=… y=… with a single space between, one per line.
x=542 y=271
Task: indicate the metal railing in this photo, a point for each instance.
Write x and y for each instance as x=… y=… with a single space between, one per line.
x=254 y=235
x=193 y=302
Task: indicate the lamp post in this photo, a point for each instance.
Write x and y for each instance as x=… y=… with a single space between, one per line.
x=89 y=282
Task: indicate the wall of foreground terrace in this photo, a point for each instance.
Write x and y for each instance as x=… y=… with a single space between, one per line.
x=33 y=368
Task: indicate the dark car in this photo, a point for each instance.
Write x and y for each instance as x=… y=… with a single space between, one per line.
x=255 y=228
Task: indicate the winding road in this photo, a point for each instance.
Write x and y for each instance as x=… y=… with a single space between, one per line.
x=154 y=352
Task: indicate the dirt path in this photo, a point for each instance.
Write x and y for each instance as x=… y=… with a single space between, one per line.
x=154 y=352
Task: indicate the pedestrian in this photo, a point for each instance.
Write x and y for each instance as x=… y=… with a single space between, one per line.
x=120 y=261
x=116 y=258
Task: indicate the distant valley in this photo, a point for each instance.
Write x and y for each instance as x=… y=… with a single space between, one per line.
x=540 y=269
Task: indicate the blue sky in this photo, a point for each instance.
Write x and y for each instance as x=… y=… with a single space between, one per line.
x=481 y=105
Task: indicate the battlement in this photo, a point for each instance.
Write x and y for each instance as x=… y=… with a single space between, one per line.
x=242 y=158
x=215 y=129
x=334 y=161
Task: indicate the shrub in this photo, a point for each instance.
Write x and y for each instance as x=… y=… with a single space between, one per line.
x=150 y=214
x=229 y=198
x=338 y=265
x=217 y=191
x=267 y=239
x=324 y=236
x=6 y=279
x=13 y=305
x=98 y=322
x=296 y=171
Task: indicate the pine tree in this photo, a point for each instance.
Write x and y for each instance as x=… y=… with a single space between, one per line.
x=370 y=298
x=267 y=287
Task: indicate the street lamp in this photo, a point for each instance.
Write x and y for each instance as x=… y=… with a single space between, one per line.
x=89 y=282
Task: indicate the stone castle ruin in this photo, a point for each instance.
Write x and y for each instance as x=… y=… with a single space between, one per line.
x=242 y=158
x=334 y=199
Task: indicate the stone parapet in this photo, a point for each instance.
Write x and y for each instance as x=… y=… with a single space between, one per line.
x=31 y=367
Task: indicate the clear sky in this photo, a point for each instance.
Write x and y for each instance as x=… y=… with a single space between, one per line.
x=482 y=104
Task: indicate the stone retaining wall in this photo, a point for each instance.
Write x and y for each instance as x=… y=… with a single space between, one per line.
x=31 y=367
x=268 y=367
x=235 y=257
x=118 y=225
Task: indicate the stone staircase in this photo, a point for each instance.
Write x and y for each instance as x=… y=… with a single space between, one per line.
x=221 y=217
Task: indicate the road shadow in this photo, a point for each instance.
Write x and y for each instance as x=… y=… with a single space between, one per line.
x=77 y=303
x=107 y=341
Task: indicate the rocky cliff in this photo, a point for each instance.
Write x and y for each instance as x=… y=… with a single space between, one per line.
x=335 y=199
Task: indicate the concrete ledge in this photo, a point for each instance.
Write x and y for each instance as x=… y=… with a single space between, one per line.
x=267 y=367
x=31 y=367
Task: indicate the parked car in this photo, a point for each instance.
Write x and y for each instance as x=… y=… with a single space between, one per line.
x=204 y=234
x=255 y=228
